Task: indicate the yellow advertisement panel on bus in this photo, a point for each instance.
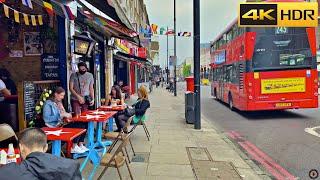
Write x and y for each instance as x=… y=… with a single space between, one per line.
x=283 y=85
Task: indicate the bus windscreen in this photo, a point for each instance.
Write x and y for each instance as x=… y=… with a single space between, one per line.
x=281 y=48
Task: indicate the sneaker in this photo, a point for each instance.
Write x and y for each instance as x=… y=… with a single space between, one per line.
x=76 y=149
x=84 y=148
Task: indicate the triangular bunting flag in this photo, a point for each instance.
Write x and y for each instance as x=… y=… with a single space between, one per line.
x=154 y=28
x=26 y=19
x=6 y=10
x=48 y=7
x=170 y=32
x=27 y=3
x=33 y=20
x=69 y=13
x=187 y=34
x=162 y=30
x=40 y=19
x=141 y=30
x=16 y=16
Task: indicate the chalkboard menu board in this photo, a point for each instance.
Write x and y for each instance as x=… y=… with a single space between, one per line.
x=29 y=101
x=50 y=67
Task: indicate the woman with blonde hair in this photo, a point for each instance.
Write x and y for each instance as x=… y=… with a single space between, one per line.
x=140 y=108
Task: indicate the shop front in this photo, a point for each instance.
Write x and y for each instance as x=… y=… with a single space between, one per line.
x=33 y=56
x=132 y=58
x=107 y=68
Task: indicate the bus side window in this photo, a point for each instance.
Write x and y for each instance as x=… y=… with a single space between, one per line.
x=235 y=74
x=228 y=73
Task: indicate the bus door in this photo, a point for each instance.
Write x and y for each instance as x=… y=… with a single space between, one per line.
x=221 y=82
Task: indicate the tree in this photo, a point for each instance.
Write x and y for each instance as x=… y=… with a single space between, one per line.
x=186 y=70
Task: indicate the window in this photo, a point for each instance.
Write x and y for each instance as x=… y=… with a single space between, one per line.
x=229 y=36
x=281 y=48
x=228 y=74
x=235 y=74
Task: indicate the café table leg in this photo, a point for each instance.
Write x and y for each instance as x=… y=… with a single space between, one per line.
x=91 y=133
x=56 y=148
x=110 y=124
x=91 y=144
x=100 y=143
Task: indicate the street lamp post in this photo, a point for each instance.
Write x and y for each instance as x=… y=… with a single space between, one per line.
x=196 y=54
x=175 y=51
x=167 y=70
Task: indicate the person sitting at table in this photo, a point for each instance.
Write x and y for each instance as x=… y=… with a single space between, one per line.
x=140 y=108
x=115 y=96
x=37 y=164
x=5 y=76
x=4 y=92
x=54 y=115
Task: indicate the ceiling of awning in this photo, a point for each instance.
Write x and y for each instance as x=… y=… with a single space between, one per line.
x=112 y=28
x=144 y=60
x=104 y=7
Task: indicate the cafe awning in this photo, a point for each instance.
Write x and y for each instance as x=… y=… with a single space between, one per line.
x=131 y=57
x=109 y=8
x=106 y=26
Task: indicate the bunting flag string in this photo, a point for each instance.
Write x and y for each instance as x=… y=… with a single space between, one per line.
x=164 y=31
x=35 y=19
x=49 y=8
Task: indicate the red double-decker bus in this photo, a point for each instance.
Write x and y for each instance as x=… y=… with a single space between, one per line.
x=265 y=68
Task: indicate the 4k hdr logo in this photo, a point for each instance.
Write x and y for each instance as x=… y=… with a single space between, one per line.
x=297 y=14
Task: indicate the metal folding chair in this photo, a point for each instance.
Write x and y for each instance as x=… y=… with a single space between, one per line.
x=117 y=159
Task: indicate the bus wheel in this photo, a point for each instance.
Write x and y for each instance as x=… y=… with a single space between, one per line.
x=230 y=102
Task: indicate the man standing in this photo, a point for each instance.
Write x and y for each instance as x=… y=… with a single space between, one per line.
x=36 y=163
x=82 y=91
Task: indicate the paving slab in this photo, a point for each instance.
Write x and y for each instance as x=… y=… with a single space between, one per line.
x=215 y=170
x=173 y=170
x=167 y=156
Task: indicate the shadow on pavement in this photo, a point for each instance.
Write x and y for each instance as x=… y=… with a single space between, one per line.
x=266 y=115
x=274 y=115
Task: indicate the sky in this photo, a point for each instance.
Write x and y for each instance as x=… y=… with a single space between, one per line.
x=215 y=16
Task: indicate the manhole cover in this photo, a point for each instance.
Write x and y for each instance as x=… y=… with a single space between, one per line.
x=198 y=153
x=215 y=170
x=141 y=157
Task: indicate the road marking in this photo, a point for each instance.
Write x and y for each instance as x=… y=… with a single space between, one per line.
x=267 y=162
x=261 y=161
x=312 y=131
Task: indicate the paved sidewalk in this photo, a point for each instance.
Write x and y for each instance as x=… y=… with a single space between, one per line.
x=177 y=151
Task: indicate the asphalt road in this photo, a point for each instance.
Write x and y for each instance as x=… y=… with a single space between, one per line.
x=279 y=134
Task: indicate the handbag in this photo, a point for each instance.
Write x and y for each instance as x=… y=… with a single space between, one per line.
x=87 y=99
x=129 y=112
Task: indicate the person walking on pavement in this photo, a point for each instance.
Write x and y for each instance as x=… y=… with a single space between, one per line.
x=82 y=91
x=157 y=79
x=150 y=85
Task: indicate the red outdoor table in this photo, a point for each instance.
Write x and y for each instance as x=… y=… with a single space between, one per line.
x=111 y=108
x=16 y=151
x=56 y=135
x=91 y=117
